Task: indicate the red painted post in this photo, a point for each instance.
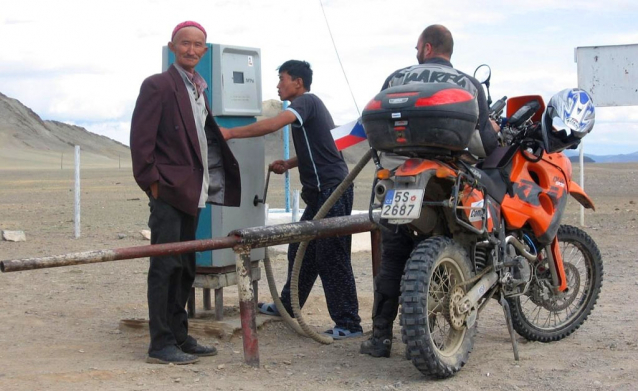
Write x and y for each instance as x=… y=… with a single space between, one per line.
x=247 y=310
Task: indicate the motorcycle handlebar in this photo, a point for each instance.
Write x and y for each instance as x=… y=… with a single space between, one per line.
x=498 y=106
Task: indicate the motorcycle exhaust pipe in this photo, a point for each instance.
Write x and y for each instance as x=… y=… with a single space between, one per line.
x=520 y=247
x=381 y=189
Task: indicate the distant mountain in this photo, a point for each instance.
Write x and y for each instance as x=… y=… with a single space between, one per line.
x=24 y=136
x=627 y=158
x=27 y=141
x=576 y=159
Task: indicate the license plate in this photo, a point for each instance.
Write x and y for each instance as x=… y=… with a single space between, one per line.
x=402 y=204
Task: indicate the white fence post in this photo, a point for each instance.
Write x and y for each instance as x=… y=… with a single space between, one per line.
x=295 y=206
x=77 y=192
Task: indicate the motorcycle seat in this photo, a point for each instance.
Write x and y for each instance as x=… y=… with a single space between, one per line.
x=493 y=182
x=495 y=171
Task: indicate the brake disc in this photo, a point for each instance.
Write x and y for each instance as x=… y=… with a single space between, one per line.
x=562 y=300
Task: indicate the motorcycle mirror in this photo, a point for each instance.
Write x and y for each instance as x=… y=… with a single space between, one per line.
x=483 y=74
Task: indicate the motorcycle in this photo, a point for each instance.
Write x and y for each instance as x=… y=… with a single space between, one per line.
x=490 y=228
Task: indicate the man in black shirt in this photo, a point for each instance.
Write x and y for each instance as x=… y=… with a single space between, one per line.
x=434 y=50
x=321 y=170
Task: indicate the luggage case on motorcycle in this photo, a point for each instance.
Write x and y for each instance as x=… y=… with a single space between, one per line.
x=421 y=118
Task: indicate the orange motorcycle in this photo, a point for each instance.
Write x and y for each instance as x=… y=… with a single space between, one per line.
x=491 y=228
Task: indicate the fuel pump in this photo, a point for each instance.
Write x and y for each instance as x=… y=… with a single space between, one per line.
x=233 y=75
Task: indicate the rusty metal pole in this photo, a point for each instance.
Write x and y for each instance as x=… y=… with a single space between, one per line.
x=247 y=310
x=241 y=240
x=117 y=254
x=304 y=230
x=254 y=237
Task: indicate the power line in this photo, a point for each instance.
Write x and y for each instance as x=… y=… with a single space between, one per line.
x=339 y=58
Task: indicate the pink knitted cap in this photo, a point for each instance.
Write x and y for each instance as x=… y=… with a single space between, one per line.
x=188 y=23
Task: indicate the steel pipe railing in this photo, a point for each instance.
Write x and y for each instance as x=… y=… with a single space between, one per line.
x=253 y=237
x=241 y=241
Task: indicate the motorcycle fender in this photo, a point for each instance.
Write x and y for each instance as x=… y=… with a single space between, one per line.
x=416 y=174
x=579 y=194
x=413 y=167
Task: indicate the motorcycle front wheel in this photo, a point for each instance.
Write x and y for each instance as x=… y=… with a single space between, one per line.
x=541 y=314
x=438 y=342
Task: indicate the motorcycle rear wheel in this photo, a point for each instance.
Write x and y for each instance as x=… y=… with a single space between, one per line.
x=434 y=269
x=551 y=319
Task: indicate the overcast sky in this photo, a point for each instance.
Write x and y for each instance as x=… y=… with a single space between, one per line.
x=82 y=62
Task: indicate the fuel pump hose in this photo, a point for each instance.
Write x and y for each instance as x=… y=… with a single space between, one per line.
x=300 y=325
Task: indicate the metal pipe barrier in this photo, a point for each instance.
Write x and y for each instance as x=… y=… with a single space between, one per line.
x=255 y=237
x=240 y=240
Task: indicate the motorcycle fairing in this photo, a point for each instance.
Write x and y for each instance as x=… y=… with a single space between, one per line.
x=539 y=196
x=473 y=198
x=579 y=194
x=515 y=103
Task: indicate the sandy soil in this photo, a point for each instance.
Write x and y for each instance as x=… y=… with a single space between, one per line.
x=60 y=328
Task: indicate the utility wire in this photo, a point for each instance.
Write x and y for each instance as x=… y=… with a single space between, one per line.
x=339 y=58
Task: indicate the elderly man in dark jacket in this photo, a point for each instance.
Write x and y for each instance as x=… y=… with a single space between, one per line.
x=181 y=161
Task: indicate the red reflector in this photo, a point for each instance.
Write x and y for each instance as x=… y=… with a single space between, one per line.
x=411 y=164
x=453 y=95
x=399 y=128
x=401 y=140
x=373 y=105
x=402 y=94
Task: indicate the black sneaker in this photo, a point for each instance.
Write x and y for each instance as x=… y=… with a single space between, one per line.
x=170 y=354
x=191 y=346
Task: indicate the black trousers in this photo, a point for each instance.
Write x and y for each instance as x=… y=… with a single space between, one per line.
x=170 y=277
x=396 y=247
x=329 y=259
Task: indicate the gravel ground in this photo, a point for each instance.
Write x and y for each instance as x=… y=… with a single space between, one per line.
x=61 y=327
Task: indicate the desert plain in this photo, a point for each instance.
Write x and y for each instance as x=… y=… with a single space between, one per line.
x=61 y=328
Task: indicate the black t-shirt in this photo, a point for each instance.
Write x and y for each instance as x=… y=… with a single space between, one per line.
x=321 y=165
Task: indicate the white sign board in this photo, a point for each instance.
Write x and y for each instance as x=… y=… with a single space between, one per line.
x=609 y=74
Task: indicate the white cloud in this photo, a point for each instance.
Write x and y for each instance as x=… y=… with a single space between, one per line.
x=84 y=61
x=117 y=130
x=611 y=139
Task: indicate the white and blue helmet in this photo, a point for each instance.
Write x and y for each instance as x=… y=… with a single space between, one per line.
x=569 y=117
x=574 y=109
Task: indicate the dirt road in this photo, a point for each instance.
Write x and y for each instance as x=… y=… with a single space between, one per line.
x=60 y=328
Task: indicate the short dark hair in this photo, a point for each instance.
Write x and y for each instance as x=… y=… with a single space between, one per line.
x=298 y=69
x=440 y=38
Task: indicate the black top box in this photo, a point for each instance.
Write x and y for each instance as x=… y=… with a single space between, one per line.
x=419 y=118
